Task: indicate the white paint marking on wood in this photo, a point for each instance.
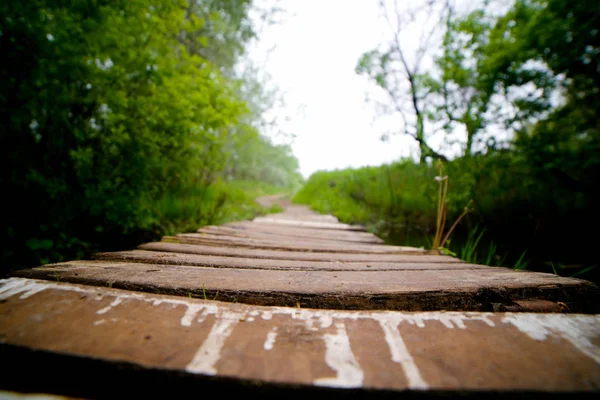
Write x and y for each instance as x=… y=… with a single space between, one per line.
x=99 y=322
x=325 y=320
x=13 y=286
x=339 y=357
x=270 y=341
x=191 y=313
x=579 y=330
x=310 y=317
x=400 y=353
x=266 y=315
x=26 y=287
x=448 y=319
x=114 y=303
x=209 y=309
x=209 y=352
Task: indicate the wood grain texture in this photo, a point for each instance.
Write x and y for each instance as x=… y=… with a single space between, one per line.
x=423 y=289
x=444 y=352
x=269 y=232
x=174 y=258
x=245 y=252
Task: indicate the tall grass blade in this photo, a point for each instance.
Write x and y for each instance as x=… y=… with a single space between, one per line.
x=583 y=271
x=521 y=263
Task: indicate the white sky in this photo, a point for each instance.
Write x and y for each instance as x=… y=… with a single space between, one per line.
x=316 y=50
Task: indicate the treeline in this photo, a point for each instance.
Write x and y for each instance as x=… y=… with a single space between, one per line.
x=122 y=120
x=522 y=85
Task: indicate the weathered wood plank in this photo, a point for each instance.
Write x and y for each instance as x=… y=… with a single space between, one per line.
x=269 y=236
x=157 y=257
x=290 y=234
x=108 y=340
x=457 y=289
x=300 y=214
x=258 y=253
x=309 y=224
x=268 y=227
x=293 y=245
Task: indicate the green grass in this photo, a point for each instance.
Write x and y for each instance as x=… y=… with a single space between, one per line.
x=468 y=252
x=584 y=271
x=522 y=262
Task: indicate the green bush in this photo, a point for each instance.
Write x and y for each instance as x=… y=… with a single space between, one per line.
x=515 y=209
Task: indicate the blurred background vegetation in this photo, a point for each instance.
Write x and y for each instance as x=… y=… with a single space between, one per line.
x=125 y=120
x=531 y=70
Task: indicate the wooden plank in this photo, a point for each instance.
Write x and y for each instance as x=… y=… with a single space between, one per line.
x=460 y=289
x=279 y=236
x=157 y=257
x=198 y=248
x=304 y=216
x=308 y=224
x=108 y=341
x=292 y=245
x=287 y=233
x=237 y=229
x=267 y=226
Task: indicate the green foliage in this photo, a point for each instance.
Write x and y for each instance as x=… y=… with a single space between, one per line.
x=253 y=157
x=387 y=199
x=462 y=97
x=399 y=202
x=123 y=117
x=523 y=87
x=223 y=30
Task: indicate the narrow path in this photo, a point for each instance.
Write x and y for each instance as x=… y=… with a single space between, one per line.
x=146 y=320
x=299 y=257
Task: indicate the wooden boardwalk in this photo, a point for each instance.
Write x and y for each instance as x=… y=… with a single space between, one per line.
x=296 y=301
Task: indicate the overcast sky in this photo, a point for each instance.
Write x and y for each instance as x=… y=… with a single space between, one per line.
x=315 y=52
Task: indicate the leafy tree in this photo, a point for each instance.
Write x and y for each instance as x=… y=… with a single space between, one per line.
x=222 y=28
x=463 y=101
x=401 y=74
x=255 y=158
x=549 y=50
x=113 y=106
